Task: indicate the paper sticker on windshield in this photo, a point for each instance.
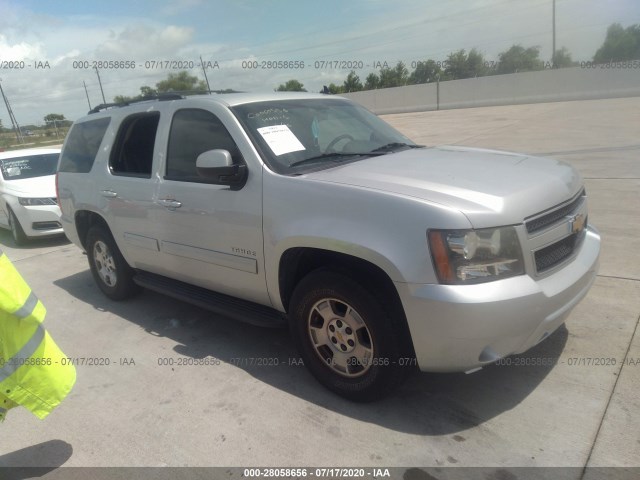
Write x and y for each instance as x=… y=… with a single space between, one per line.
x=280 y=139
x=13 y=171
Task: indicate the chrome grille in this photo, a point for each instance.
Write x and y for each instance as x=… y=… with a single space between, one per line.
x=555 y=235
x=558 y=213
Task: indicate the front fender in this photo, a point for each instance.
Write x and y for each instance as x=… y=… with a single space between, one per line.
x=382 y=228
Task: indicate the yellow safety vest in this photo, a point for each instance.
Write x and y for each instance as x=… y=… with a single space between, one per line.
x=33 y=370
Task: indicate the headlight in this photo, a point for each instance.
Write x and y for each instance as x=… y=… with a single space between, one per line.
x=25 y=202
x=475 y=256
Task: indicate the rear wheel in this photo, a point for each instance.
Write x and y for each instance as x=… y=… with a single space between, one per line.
x=346 y=338
x=19 y=237
x=108 y=267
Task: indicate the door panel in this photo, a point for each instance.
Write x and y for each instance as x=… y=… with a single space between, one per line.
x=128 y=193
x=209 y=235
x=220 y=259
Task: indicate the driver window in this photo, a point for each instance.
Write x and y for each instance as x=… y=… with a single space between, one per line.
x=194 y=131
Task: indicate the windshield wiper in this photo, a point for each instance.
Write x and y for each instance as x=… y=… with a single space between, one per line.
x=373 y=153
x=334 y=155
x=391 y=146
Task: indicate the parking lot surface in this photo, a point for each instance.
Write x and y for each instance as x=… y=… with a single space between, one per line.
x=168 y=388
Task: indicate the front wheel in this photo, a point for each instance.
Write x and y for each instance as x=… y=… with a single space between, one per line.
x=108 y=267
x=19 y=237
x=346 y=338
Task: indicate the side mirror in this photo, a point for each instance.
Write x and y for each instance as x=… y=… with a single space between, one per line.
x=218 y=168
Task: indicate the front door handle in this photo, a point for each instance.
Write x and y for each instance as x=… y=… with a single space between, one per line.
x=169 y=203
x=108 y=193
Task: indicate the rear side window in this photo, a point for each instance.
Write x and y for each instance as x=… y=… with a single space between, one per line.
x=82 y=145
x=132 y=152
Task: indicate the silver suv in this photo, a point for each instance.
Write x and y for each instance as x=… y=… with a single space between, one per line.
x=382 y=255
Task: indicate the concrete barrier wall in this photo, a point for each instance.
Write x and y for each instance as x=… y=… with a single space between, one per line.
x=517 y=88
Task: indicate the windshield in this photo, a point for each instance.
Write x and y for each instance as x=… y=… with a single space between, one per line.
x=19 y=168
x=295 y=135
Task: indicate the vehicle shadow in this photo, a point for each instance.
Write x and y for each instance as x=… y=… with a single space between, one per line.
x=6 y=239
x=427 y=404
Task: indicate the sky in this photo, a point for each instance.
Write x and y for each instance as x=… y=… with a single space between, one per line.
x=45 y=46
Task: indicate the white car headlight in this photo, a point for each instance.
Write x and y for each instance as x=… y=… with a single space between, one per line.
x=36 y=201
x=475 y=256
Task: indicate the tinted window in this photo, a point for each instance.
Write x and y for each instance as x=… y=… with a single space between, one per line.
x=132 y=152
x=19 y=168
x=82 y=145
x=193 y=132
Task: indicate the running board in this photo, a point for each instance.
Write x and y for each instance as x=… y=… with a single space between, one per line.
x=225 y=305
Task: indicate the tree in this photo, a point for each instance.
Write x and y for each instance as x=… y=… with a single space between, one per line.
x=401 y=74
x=181 y=82
x=562 y=59
x=291 y=86
x=146 y=91
x=352 y=83
x=335 y=89
x=425 y=72
x=170 y=82
x=393 y=77
x=53 y=119
x=124 y=99
x=372 y=82
x=519 y=59
x=462 y=65
x=387 y=78
x=620 y=44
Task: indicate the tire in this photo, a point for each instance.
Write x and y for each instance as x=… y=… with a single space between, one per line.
x=353 y=348
x=108 y=267
x=19 y=237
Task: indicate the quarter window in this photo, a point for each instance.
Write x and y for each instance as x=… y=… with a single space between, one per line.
x=82 y=145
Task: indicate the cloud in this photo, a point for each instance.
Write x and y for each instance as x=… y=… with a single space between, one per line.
x=34 y=93
x=229 y=32
x=174 y=7
x=140 y=41
x=20 y=51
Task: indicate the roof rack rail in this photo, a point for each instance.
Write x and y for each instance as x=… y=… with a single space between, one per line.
x=160 y=97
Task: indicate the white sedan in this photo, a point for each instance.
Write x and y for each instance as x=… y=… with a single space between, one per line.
x=28 y=204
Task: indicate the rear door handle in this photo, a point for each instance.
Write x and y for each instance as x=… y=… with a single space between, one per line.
x=169 y=203
x=108 y=193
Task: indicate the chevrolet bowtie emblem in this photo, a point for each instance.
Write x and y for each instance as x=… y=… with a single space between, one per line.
x=577 y=222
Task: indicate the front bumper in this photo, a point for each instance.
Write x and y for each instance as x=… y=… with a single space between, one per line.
x=40 y=220
x=458 y=328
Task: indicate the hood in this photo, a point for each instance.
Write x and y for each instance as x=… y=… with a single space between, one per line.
x=36 y=187
x=490 y=187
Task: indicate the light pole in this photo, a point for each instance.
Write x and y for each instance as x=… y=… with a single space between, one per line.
x=204 y=70
x=100 y=82
x=12 y=117
x=553 y=48
x=87 y=94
